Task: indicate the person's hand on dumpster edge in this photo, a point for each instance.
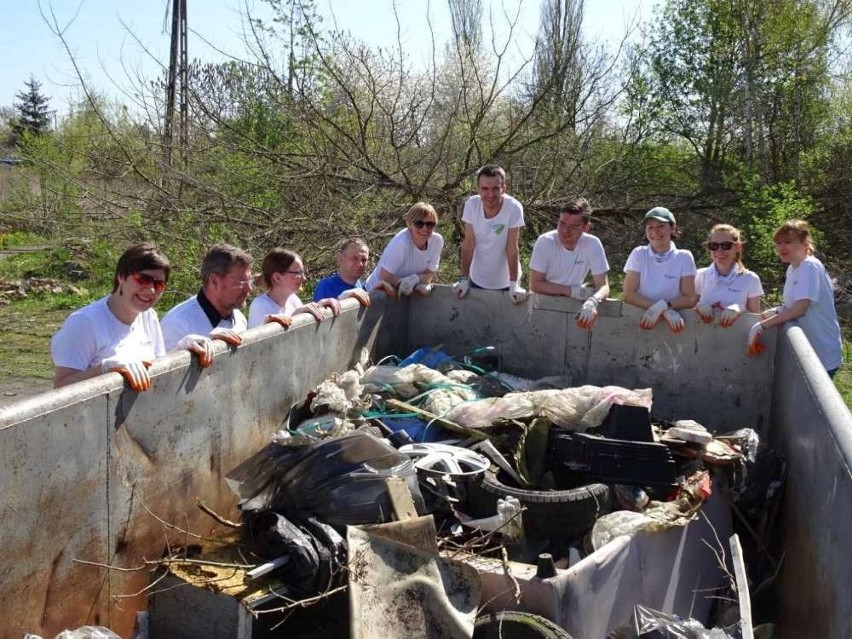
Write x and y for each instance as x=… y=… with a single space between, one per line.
x=386 y=287
x=330 y=302
x=517 y=294
x=423 y=290
x=754 y=345
x=674 y=320
x=282 y=320
x=226 y=335
x=407 y=284
x=730 y=314
x=361 y=295
x=198 y=344
x=135 y=372
x=652 y=316
x=461 y=287
x=705 y=312
x=588 y=314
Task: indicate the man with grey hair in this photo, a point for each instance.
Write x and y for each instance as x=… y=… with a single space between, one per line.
x=215 y=312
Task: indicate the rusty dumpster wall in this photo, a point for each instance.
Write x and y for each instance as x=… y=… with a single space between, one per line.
x=702 y=373
x=813 y=428
x=98 y=474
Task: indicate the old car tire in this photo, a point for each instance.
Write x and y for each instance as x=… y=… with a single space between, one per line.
x=516 y=625
x=561 y=514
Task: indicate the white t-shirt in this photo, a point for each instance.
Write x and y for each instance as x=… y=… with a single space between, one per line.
x=489 y=268
x=810 y=281
x=569 y=268
x=660 y=280
x=189 y=318
x=91 y=334
x=737 y=288
x=402 y=258
x=263 y=305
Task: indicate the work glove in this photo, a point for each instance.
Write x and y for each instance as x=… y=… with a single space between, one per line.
x=588 y=314
x=772 y=312
x=359 y=294
x=386 y=287
x=226 y=335
x=332 y=303
x=652 y=316
x=461 y=287
x=754 y=345
x=407 y=284
x=198 y=344
x=278 y=318
x=674 y=320
x=135 y=372
x=423 y=290
x=517 y=294
x=705 y=312
x=581 y=292
x=730 y=314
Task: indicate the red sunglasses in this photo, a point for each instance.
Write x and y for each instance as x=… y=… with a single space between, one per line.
x=143 y=279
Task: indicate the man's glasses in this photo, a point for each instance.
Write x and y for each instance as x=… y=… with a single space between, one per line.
x=424 y=224
x=715 y=246
x=143 y=279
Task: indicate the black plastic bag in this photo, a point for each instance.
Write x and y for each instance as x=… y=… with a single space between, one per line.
x=340 y=481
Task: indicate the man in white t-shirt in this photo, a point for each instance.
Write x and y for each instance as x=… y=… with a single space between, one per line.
x=562 y=259
x=492 y=222
x=226 y=283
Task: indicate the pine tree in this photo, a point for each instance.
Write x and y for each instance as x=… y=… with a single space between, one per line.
x=32 y=109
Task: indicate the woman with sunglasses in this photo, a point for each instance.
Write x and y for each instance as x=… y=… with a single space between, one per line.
x=660 y=277
x=411 y=259
x=726 y=284
x=284 y=275
x=119 y=332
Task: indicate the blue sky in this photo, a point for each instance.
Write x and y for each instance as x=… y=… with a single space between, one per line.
x=98 y=33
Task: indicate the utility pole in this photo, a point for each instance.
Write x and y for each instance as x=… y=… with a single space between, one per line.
x=177 y=85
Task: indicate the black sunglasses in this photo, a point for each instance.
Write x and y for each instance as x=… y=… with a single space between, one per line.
x=715 y=246
x=424 y=224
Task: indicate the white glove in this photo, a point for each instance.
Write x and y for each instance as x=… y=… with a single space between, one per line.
x=772 y=312
x=653 y=314
x=516 y=293
x=461 y=287
x=705 y=312
x=135 y=372
x=198 y=344
x=730 y=314
x=407 y=284
x=581 y=292
x=674 y=320
x=423 y=290
x=754 y=346
x=588 y=314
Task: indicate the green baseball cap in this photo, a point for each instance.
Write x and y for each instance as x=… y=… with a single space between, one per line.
x=660 y=213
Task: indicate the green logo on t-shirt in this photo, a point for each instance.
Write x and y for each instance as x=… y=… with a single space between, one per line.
x=498 y=228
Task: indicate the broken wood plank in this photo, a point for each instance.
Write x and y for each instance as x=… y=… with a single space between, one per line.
x=445 y=423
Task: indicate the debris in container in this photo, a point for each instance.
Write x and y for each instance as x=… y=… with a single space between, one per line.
x=652 y=624
x=88 y=632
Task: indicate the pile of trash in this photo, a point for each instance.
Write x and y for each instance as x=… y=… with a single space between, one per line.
x=457 y=454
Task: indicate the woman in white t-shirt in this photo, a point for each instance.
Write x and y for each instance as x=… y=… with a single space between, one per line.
x=120 y=332
x=808 y=297
x=284 y=275
x=660 y=277
x=411 y=259
x=726 y=285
